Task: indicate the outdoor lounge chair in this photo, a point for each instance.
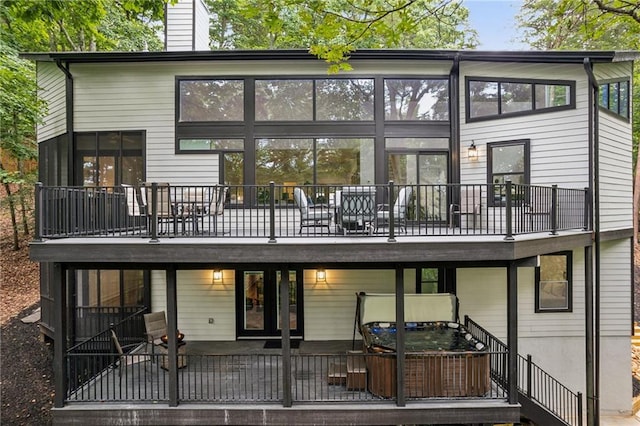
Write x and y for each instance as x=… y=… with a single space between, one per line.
x=126 y=359
x=469 y=206
x=155 y=325
x=357 y=209
x=399 y=209
x=311 y=215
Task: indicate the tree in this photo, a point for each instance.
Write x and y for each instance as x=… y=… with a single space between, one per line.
x=332 y=29
x=580 y=24
x=19 y=111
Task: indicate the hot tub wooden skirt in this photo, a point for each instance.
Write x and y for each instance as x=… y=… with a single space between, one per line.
x=430 y=375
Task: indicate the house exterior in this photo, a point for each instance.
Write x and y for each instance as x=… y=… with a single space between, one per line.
x=518 y=166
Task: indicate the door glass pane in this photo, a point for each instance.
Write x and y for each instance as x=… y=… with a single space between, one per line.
x=234 y=175
x=107 y=173
x=109 y=288
x=429 y=280
x=89 y=177
x=433 y=196
x=254 y=300
x=132 y=172
x=293 y=297
x=345 y=161
x=133 y=287
x=403 y=169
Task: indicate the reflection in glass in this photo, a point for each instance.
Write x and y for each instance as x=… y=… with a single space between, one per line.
x=254 y=300
x=344 y=161
x=284 y=160
x=613 y=97
x=516 y=97
x=211 y=100
x=416 y=99
x=432 y=199
x=554 y=284
x=483 y=98
x=344 y=99
x=234 y=176
x=552 y=95
x=624 y=98
x=284 y=100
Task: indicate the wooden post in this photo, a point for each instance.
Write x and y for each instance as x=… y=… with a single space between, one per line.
x=60 y=327
x=286 y=338
x=172 y=334
x=400 y=400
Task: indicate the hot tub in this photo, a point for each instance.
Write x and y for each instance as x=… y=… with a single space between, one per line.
x=442 y=359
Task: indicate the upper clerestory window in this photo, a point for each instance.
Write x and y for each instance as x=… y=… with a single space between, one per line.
x=490 y=98
x=614 y=97
x=211 y=100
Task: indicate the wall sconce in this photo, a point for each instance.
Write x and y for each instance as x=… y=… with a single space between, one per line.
x=472 y=152
x=321 y=276
x=217 y=276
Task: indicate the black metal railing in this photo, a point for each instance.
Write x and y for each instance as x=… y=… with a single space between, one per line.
x=533 y=382
x=90 y=321
x=158 y=210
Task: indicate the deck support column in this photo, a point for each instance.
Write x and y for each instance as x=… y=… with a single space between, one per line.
x=60 y=327
x=400 y=401
x=512 y=331
x=172 y=334
x=286 y=337
x=589 y=329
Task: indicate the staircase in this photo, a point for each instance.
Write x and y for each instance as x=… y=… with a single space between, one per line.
x=544 y=400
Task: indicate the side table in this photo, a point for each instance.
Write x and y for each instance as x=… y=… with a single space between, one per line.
x=182 y=359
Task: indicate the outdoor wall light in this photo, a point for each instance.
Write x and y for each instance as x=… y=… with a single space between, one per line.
x=473 y=152
x=321 y=276
x=217 y=276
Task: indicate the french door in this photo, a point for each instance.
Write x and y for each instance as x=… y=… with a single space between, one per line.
x=258 y=303
x=430 y=170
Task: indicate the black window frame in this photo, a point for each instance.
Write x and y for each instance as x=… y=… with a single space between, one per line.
x=605 y=86
x=569 y=269
x=533 y=110
x=491 y=202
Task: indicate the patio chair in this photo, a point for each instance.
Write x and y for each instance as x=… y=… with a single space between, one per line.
x=469 y=205
x=165 y=208
x=357 y=209
x=134 y=206
x=311 y=215
x=399 y=209
x=155 y=325
x=125 y=358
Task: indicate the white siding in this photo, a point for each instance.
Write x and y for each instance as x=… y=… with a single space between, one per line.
x=180 y=26
x=330 y=307
x=51 y=89
x=615 y=288
x=199 y=300
x=559 y=140
x=202 y=26
x=616 y=176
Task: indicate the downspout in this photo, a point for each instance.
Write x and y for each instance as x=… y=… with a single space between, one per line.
x=69 y=124
x=593 y=338
x=454 y=117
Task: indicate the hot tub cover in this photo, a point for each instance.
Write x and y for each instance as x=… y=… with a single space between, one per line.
x=381 y=307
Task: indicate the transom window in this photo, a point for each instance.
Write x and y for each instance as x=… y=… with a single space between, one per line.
x=614 y=97
x=491 y=98
x=554 y=283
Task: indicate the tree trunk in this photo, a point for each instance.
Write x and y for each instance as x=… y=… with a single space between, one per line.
x=23 y=205
x=12 y=211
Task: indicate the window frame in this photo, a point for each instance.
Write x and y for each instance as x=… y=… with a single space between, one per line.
x=533 y=82
x=491 y=202
x=607 y=109
x=569 y=269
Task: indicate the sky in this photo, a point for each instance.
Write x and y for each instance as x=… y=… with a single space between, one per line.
x=494 y=20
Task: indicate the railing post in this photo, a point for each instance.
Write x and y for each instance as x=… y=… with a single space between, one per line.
x=154 y=212
x=508 y=211
x=586 y=210
x=579 y=413
x=529 y=374
x=554 y=209
x=272 y=212
x=392 y=229
x=38 y=207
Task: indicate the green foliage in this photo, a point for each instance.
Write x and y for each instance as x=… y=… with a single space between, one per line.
x=582 y=25
x=333 y=29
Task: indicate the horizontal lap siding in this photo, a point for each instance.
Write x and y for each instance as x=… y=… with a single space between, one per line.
x=615 y=288
x=616 y=174
x=330 y=307
x=559 y=140
x=199 y=300
x=202 y=26
x=180 y=26
x=51 y=89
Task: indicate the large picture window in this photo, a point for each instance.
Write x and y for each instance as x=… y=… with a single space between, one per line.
x=554 y=283
x=412 y=99
x=211 y=100
x=507 y=161
x=614 y=97
x=489 y=98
